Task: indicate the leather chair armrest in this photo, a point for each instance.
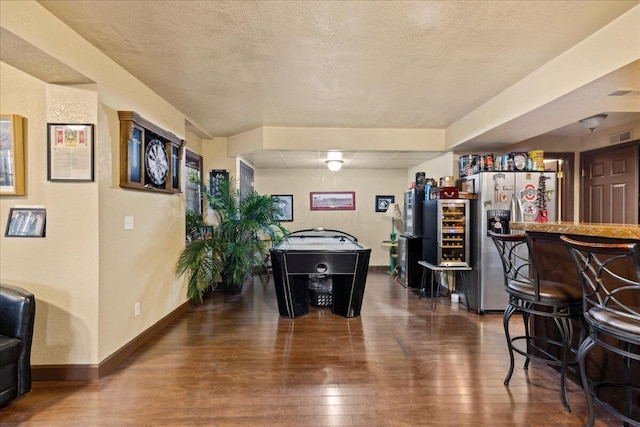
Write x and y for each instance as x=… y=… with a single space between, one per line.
x=17 y=316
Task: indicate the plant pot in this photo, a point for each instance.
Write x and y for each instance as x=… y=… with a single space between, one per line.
x=229 y=286
x=233 y=290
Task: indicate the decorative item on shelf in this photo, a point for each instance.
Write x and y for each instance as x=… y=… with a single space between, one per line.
x=394 y=213
x=593 y=122
x=537 y=160
x=448 y=189
x=149 y=156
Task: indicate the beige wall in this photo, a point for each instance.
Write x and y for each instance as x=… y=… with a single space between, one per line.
x=444 y=165
x=214 y=152
x=88 y=272
x=61 y=269
x=368 y=226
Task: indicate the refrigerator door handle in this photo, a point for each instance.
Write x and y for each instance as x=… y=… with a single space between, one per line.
x=516 y=208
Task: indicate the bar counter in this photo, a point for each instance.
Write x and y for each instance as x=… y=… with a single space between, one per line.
x=613 y=231
x=554 y=263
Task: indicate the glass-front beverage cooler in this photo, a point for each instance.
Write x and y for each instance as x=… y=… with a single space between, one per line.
x=446 y=230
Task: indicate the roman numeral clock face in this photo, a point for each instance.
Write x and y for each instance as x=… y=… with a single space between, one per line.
x=156 y=162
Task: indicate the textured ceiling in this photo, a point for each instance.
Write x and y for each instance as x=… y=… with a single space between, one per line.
x=232 y=66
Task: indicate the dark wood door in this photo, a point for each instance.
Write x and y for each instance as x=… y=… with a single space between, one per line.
x=610 y=184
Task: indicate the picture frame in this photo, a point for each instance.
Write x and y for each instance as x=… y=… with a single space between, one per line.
x=468 y=186
x=12 y=166
x=286 y=203
x=70 y=152
x=332 y=200
x=26 y=222
x=383 y=203
x=216 y=178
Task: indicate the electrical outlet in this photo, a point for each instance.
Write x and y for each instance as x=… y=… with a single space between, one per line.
x=136 y=309
x=128 y=223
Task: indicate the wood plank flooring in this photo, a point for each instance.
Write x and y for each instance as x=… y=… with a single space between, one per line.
x=235 y=362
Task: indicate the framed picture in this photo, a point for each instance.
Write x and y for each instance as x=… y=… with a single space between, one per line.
x=26 y=222
x=11 y=155
x=383 y=202
x=468 y=186
x=333 y=201
x=285 y=201
x=70 y=152
x=216 y=178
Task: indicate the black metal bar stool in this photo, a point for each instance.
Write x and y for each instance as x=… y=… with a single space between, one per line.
x=610 y=274
x=530 y=296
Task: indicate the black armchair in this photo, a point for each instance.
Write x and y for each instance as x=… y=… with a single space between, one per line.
x=17 y=315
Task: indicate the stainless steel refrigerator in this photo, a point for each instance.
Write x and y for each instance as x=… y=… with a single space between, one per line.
x=502 y=197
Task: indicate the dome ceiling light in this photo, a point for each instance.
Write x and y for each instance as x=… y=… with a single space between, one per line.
x=593 y=122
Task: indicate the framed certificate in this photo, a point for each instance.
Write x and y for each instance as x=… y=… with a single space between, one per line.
x=70 y=152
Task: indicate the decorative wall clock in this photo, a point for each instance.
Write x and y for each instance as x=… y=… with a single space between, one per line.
x=149 y=156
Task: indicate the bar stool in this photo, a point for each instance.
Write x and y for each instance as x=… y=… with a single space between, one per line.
x=530 y=296
x=610 y=274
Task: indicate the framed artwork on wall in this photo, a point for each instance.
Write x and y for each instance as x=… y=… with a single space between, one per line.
x=216 y=178
x=70 y=152
x=285 y=201
x=383 y=203
x=332 y=200
x=26 y=222
x=12 y=170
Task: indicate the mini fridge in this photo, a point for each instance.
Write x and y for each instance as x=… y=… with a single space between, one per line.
x=446 y=230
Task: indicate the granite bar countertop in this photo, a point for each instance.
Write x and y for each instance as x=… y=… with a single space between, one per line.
x=615 y=231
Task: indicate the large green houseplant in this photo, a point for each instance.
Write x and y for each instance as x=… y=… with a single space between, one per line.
x=238 y=241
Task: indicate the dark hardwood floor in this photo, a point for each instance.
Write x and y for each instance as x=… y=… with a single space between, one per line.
x=235 y=362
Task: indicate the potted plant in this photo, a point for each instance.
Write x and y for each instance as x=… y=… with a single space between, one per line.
x=237 y=242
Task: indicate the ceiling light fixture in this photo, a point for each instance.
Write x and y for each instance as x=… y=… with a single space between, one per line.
x=593 y=122
x=334 y=164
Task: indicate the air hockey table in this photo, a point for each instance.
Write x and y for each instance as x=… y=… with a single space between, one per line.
x=305 y=254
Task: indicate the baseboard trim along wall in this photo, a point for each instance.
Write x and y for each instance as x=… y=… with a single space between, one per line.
x=108 y=365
